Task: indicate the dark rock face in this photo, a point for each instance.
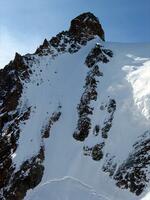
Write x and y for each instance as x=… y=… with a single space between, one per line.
x=85 y=110
x=111 y=108
x=10 y=93
x=95 y=152
x=132 y=174
x=109 y=166
x=19 y=182
x=10 y=88
x=90 y=93
x=54 y=118
x=63 y=42
x=98 y=54
x=86 y=23
x=102 y=132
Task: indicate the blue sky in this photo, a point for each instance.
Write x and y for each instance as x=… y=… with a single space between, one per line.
x=25 y=23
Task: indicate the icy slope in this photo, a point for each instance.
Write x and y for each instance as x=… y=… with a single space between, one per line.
x=75 y=119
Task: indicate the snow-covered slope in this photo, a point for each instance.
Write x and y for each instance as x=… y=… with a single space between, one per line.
x=65 y=188
x=75 y=119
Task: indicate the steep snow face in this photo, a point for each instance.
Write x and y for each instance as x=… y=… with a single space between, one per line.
x=126 y=79
x=54 y=83
x=74 y=119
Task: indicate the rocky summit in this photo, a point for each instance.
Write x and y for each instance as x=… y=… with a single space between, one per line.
x=74 y=119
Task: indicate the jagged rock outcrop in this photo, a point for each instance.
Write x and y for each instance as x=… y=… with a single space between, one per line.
x=83 y=29
x=96 y=55
x=86 y=24
x=133 y=173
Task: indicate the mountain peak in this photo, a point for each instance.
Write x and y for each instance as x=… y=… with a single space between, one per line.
x=83 y=28
x=86 y=23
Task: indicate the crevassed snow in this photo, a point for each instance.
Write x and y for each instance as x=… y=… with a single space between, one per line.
x=61 y=81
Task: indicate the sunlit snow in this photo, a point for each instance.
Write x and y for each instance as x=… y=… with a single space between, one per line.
x=60 y=81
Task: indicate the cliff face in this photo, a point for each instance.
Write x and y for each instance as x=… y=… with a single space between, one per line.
x=73 y=113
